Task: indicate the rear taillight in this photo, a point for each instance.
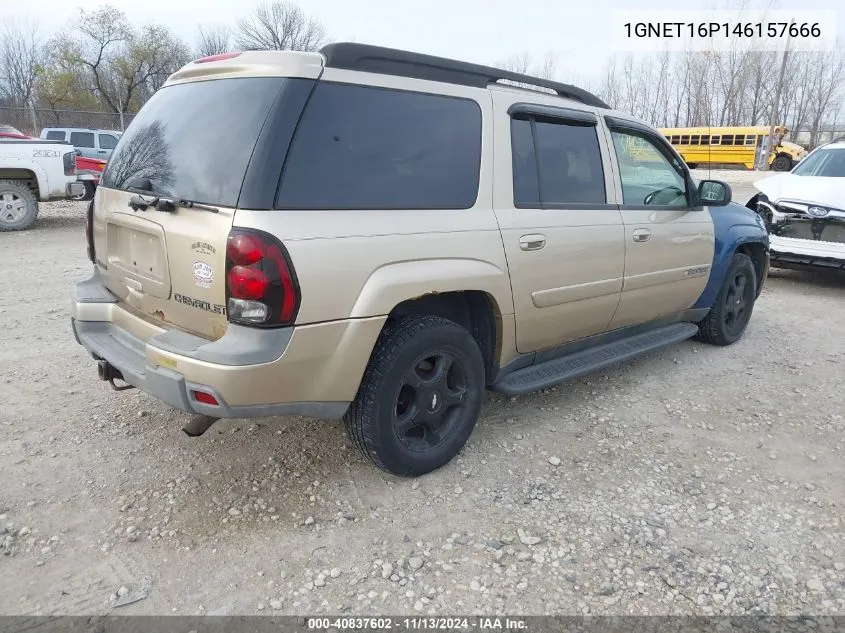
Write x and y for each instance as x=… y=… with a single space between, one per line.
x=69 y=162
x=89 y=231
x=261 y=286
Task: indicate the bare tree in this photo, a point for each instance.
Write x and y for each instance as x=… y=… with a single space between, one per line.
x=20 y=56
x=213 y=40
x=281 y=26
x=102 y=31
x=124 y=64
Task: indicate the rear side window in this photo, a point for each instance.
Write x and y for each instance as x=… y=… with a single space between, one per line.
x=107 y=141
x=56 y=135
x=555 y=162
x=194 y=140
x=359 y=147
x=82 y=139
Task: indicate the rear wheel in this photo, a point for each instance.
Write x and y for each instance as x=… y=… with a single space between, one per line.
x=88 y=194
x=782 y=163
x=420 y=396
x=18 y=206
x=728 y=318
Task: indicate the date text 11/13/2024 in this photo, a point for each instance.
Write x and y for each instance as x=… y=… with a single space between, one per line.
x=417 y=624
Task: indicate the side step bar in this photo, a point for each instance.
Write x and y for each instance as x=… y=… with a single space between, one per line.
x=558 y=370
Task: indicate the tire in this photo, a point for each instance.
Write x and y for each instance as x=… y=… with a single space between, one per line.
x=423 y=369
x=18 y=206
x=723 y=325
x=90 y=189
x=782 y=163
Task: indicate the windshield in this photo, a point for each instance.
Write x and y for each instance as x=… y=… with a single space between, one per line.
x=829 y=163
x=193 y=141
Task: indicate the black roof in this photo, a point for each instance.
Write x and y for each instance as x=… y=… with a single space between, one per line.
x=391 y=61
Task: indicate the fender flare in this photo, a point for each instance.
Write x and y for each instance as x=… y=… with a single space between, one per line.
x=732 y=231
x=393 y=283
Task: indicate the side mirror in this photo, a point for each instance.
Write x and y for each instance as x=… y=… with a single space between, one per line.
x=714 y=193
x=78 y=152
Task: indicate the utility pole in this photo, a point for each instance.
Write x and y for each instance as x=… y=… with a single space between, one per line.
x=776 y=104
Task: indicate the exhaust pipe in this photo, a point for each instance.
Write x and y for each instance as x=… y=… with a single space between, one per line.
x=198 y=425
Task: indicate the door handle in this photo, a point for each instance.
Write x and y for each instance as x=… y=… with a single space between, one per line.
x=532 y=242
x=642 y=235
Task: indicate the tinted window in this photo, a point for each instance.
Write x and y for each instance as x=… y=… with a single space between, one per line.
x=194 y=140
x=360 y=147
x=82 y=139
x=56 y=135
x=526 y=186
x=648 y=176
x=570 y=163
x=107 y=141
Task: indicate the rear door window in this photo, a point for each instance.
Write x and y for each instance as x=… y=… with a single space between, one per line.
x=555 y=162
x=194 y=141
x=360 y=147
x=82 y=139
x=107 y=141
x=55 y=135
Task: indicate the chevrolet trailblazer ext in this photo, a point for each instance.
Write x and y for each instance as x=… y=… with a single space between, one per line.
x=380 y=236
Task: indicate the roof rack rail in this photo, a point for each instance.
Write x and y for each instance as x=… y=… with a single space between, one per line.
x=391 y=61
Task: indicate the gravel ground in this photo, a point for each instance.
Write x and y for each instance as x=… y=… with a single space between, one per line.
x=696 y=480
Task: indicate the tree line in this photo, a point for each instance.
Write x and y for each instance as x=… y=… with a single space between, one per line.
x=103 y=62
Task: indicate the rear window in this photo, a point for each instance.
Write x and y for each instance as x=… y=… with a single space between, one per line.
x=361 y=147
x=82 y=139
x=193 y=141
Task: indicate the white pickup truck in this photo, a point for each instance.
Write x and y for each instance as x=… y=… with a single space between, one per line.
x=33 y=170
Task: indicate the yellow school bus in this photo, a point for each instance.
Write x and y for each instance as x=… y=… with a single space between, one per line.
x=733 y=146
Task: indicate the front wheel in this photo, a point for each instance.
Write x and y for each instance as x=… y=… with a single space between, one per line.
x=420 y=396
x=782 y=163
x=728 y=318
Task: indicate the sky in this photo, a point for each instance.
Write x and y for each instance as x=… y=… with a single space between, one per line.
x=578 y=33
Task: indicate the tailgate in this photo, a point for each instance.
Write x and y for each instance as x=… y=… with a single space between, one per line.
x=168 y=266
x=191 y=143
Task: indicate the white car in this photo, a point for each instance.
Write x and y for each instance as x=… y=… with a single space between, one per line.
x=32 y=170
x=804 y=210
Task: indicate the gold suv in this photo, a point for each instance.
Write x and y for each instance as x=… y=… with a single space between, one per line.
x=381 y=236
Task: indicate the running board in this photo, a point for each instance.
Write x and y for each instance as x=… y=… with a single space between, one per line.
x=558 y=370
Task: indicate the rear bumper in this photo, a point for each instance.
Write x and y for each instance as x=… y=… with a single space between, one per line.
x=312 y=371
x=74 y=189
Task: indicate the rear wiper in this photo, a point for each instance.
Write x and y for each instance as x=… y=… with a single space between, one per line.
x=165 y=204
x=170 y=205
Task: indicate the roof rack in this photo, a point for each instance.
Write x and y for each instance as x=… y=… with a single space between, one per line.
x=391 y=61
